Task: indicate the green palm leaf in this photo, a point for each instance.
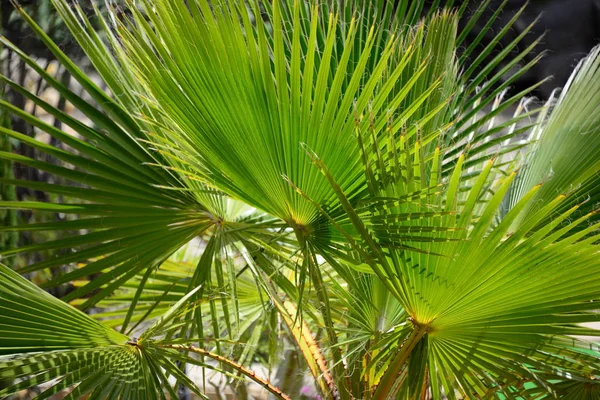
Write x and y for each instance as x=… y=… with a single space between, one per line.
x=44 y=338
x=566 y=156
x=52 y=339
x=338 y=150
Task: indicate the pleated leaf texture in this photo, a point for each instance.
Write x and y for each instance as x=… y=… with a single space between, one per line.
x=357 y=187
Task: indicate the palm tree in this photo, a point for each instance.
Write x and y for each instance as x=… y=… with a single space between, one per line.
x=354 y=189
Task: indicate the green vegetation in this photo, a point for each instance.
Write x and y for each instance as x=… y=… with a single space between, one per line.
x=355 y=189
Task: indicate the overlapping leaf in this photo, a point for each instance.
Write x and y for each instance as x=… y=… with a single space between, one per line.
x=364 y=134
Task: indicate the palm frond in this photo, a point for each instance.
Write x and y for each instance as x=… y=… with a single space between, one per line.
x=338 y=153
x=565 y=156
x=45 y=338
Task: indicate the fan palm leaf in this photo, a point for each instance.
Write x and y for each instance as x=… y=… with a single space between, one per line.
x=53 y=339
x=45 y=338
x=384 y=213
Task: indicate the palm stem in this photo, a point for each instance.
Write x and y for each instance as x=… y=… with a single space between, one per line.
x=342 y=391
x=388 y=380
x=250 y=374
x=325 y=309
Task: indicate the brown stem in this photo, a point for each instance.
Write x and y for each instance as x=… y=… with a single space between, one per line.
x=309 y=348
x=342 y=391
x=250 y=374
